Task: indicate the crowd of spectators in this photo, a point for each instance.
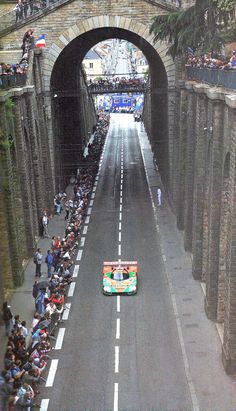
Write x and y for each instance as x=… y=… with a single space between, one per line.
x=12 y=74
x=212 y=61
x=116 y=83
x=27 y=351
x=24 y=8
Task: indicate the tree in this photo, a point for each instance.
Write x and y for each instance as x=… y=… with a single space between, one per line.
x=204 y=26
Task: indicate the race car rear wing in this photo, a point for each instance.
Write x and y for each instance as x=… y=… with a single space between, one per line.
x=110 y=265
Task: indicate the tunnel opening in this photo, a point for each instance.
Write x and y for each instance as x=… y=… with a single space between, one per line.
x=66 y=89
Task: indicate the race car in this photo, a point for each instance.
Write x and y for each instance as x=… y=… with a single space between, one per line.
x=120 y=277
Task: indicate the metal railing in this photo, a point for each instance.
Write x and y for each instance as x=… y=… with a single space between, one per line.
x=119 y=88
x=17 y=17
x=216 y=77
x=12 y=80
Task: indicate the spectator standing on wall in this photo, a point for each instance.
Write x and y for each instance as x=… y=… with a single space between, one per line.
x=45 y=221
x=25 y=8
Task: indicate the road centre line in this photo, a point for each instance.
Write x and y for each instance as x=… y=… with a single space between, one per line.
x=82 y=241
x=118 y=328
x=89 y=211
x=66 y=312
x=119 y=226
x=119 y=236
x=120 y=207
x=44 y=404
x=121 y=186
x=121 y=200
x=119 y=249
x=164 y=257
x=117 y=354
x=118 y=304
x=85 y=230
x=116 y=396
x=71 y=290
x=52 y=373
x=75 y=271
x=120 y=216
x=121 y=194
x=60 y=338
x=86 y=221
x=79 y=255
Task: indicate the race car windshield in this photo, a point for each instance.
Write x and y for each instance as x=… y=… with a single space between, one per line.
x=120 y=276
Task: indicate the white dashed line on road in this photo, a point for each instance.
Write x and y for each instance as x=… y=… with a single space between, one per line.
x=66 y=312
x=120 y=226
x=79 y=255
x=164 y=257
x=71 y=290
x=116 y=396
x=60 y=338
x=91 y=203
x=85 y=230
x=118 y=328
x=52 y=373
x=119 y=249
x=120 y=208
x=118 y=304
x=120 y=217
x=92 y=196
x=121 y=200
x=86 y=221
x=119 y=237
x=117 y=358
x=89 y=211
x=82 y=241
x=44 y=404
x=76 y=271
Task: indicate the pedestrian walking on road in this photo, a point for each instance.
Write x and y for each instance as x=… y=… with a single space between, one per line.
x=159 y=194
x=38 y=258
x=7 y=318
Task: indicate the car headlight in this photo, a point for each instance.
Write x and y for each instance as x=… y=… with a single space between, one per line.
x=132 y=287
x=107 y=288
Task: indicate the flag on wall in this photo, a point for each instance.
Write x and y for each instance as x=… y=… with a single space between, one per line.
x=40 y=42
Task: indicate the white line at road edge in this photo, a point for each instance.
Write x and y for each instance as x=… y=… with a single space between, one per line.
x=116 y=396
x=85 y=230
x=117 y=355
x=175 y=309
x=118 y=328
x=52 y=373
x=60 y=338
x=76 y=271
x=82 y=241
x=44 y=404
x=118 y=304
x=71 y=290
x=66 y=312
x=86 y=221
x=79 y=255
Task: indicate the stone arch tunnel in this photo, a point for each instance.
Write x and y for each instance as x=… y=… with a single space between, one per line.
x=65 y=85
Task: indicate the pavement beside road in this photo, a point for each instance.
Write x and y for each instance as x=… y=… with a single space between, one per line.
x=22 y=301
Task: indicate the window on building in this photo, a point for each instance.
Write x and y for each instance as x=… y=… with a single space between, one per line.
x=116 y=100
x=90 y=65
x=125 y=100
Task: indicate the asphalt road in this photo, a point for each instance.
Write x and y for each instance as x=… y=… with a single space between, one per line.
x=120 y=354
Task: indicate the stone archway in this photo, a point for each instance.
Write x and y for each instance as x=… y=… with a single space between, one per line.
x=106 y=21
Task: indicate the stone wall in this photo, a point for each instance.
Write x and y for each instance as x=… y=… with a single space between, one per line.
x=28 y=170
x=205 y=207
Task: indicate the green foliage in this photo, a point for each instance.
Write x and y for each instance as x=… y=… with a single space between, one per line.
x=205 y=26
x=9 y=105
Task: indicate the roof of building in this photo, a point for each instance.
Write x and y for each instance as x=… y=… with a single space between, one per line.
x=92 y=55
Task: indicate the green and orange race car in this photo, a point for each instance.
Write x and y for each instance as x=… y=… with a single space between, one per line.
x=120 y=277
